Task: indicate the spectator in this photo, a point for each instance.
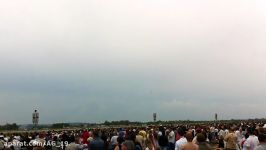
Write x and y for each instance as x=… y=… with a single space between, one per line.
x=231 y=140
x=182 y=140
x=252 y=141
x=128 y=145
x=203 y=145
x=97 y=143
x=262 y=144
x=120 y=140
x=171 y=139
x=190 y=145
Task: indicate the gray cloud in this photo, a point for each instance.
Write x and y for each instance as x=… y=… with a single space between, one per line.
x=96 y=60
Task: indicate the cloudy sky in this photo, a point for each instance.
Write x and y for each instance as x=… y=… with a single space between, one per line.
x=91 y=61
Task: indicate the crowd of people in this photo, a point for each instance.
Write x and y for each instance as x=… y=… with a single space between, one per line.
x=242 y=136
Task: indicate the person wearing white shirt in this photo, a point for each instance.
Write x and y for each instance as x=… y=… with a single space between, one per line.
x=262 y=144
x=16 y=143
x=251 y=142
x=182 y=141
x=240 y=136
x=171 y=139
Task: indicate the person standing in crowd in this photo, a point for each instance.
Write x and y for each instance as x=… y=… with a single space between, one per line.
x=2 y=141
x=128 y=145
x=252 y=141
x=97 y=143
x=104 y=137
x=239 y=135
x=16 y=143
x=221 y=142
x=72 y=145
x=182 y=140
x=231 y=140
x=151 y=142
x=203 y=145
x=221 y=132
x=171 y=139
x=197 y=131
x=64 y=139
x=132 y=137
x=244 y=142
x=140 y=140
x=85 y=136
x=190 y=145
x=113 y=140
x=262 y=144
x=163 y=140
x=120 y=140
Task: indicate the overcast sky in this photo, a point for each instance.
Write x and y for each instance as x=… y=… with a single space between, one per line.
x=91 y=61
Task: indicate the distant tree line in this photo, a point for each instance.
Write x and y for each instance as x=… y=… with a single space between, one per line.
x=14 y=126
x=8 y=126
x=60 y=125
x=121 y=122
x=180 y=122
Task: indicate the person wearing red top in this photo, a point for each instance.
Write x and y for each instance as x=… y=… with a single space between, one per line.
x=85 y=137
